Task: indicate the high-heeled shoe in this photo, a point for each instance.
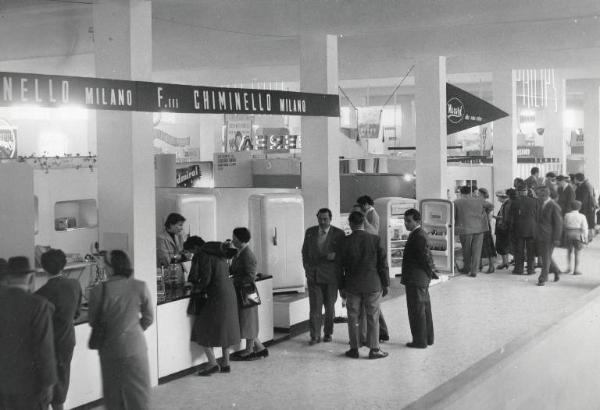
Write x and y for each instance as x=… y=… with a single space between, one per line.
x=491 y=269
x=261 y=353
x=209 y=370
x=502 y=266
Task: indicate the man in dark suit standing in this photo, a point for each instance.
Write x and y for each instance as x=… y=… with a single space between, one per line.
x=548 y=233
x=65 y=295
x=365 y=279
x=321 y=265
x=566 y=193
x=584 y=193
x=417 y=271
x=522 y=222
x=28 y=368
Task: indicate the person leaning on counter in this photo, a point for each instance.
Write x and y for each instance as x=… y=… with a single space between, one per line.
x=169 y=243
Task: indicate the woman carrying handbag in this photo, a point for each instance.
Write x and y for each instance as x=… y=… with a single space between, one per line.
x=243 y=271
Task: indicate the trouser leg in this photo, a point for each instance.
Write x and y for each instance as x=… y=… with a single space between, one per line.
x=315 y=300
x=476 y=244
x=371 y=302
x=417 y=300
x=519 y=252
x=465 y=243
x=530 y=246
x=329 y=297
x=353 y=304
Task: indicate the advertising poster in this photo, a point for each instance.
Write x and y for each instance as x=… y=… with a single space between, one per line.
x=8 y=140
x=369 y=120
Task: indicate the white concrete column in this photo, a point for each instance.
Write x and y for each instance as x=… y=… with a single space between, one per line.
x=123 y=50
x=591 y=134
x=505 y=130
x=554 y=137
x=320 y=135
x=431 y=136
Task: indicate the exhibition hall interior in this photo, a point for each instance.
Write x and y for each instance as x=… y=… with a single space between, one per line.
x=129 y=128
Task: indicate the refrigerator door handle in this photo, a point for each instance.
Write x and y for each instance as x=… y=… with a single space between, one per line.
x=275 y=236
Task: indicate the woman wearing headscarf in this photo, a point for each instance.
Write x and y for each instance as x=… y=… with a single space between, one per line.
x=124 y=305
x=217 y=323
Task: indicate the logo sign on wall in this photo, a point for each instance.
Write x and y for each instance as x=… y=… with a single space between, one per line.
x=199 y=175
x=8 y=140
x=464 y=110
x=107 y=94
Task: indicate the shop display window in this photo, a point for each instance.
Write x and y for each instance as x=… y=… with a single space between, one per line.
x=77 y=214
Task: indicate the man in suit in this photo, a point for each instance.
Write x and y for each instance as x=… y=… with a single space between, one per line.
x=321 y=265
x=365 y=279
x=471 y=217
x=65 y=295
x=548 y=233
x=522 y=221
x=417 y=271
x=584 y=193
x=28 y=368
x=550 y=182
x=533 y=181
x=566 y=193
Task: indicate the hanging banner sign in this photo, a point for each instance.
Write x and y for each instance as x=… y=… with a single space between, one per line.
x=464 y=110
x=106 y=94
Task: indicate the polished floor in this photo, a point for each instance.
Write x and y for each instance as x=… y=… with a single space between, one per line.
x=473 y=318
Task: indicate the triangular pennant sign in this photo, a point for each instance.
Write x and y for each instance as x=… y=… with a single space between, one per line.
x=464 y=110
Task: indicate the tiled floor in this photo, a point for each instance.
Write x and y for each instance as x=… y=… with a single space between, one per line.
x=473 y=317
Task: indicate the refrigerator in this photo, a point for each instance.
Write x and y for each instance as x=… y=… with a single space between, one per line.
x=438 y=221
x=276 y=222
x=392 y=232
x=199 y=211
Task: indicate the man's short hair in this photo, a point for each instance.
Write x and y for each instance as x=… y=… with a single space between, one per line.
x=550 y=175
x=356 y=218
x=53 y=261
x=465 y=190
x=412 y=212
x=243 y=234
x=562 y=178
x=535 y=170
x=322 y=211
x=364 y=200
x=579 y=176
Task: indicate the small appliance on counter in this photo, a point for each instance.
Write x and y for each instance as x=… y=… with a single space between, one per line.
x=64 y=223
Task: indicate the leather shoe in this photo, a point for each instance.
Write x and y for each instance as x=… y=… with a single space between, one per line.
x=225 y=369
x=577 y=273
x=472 y=275
x=517 y=272
x=314 y=341
x=415 y=345
x=326 y=338
x=352 y=353
x=502 y=266
x=261 y=353
x=540 y=283
x=377 y=354
x=556 y=277
x=209 y=370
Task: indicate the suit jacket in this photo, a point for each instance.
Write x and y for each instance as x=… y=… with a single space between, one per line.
x=565 y=196
x=523 y=216
x=243 y=267
x=549 y=226
x=167 y=247
x=65 y=295
x=316 y=266
x=471 y=215
x=26 y=343
x=125 y=300
x=417 y=263
x=364 y=263
x=585 y=193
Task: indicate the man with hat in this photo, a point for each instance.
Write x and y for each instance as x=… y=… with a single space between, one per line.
x=522 y=221
x=28 y=370
x=566 y=193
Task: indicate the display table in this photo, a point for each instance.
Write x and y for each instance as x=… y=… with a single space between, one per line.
x=175 y=351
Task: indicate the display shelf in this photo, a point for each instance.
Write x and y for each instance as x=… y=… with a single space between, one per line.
x=75 y=214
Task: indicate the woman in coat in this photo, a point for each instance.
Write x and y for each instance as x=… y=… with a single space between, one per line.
x=243 y=270
x=124 y=305
x=502 y=231
x=217 y=324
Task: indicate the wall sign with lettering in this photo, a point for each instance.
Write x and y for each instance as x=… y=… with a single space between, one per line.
x=106 y=94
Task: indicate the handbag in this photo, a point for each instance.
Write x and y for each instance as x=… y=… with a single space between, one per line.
x=248 y=295
x=197 y=302
x=98 y=334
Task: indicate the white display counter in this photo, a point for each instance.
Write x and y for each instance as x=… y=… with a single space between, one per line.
x=175 y=351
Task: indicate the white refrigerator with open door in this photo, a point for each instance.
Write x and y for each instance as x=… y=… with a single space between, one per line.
x=392 y=232
x=276 y=222
x=438 y=221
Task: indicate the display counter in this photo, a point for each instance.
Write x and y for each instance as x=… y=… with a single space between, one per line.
x=175 y=351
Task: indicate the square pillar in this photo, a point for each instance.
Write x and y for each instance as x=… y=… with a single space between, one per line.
x=431 y=136
x=505 y=130
x=320 y=135
x=591 y=134
x=126 y=202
